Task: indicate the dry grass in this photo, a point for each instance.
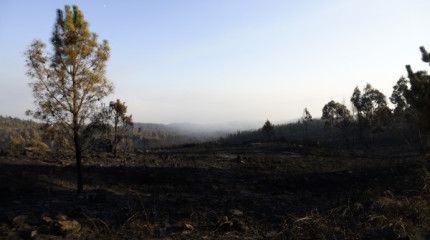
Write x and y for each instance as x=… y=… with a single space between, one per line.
x=383 y=216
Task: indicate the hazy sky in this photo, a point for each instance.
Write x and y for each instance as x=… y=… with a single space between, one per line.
x=213 y=61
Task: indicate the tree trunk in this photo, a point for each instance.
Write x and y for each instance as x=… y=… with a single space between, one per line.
x=78 y=152
x=306 y=130
x=115 y=138
x=114 y=150
x=125 y=149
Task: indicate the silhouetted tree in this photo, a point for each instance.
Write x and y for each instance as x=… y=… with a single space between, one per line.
x=398 y=98
x=372 y=109
x=416 y=93
x=337 y=115
x=306 y=118
x=268 y=129
x=356 y=100
x=70 y=81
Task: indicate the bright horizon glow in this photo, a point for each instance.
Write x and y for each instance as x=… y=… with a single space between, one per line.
x=227 y=61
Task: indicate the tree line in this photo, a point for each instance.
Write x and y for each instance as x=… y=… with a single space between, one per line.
x=20 y=137
x=369 y=116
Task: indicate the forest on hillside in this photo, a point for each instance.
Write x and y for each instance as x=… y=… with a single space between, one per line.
x=19 y=137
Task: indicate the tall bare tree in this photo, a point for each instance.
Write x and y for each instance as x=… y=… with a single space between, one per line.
x=70 y=81
x=306 y=118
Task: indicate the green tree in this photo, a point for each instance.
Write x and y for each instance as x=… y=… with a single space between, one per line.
x=268 y=129
x=70 y=81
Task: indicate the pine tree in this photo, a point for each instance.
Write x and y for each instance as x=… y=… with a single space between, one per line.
x=70 y=81
x=416 y=92
x=121 y=123
x=268 y=129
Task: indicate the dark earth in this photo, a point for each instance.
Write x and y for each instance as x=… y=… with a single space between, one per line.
x=258 y=190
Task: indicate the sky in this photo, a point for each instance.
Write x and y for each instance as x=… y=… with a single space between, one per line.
x=219 y=61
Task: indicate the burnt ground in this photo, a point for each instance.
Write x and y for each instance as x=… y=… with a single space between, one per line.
x=212 y=191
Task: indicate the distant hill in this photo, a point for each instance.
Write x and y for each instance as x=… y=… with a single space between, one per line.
x=16 y=134
x=146 y=135
x=200 y=132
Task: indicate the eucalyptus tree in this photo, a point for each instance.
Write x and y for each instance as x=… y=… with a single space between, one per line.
x=398 y=97
x=305 y=119
x=372 y=108
x=336 y=115
x=330 y=113
x=70 y=81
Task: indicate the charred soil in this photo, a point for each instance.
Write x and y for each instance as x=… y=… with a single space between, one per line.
x=260 y=190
